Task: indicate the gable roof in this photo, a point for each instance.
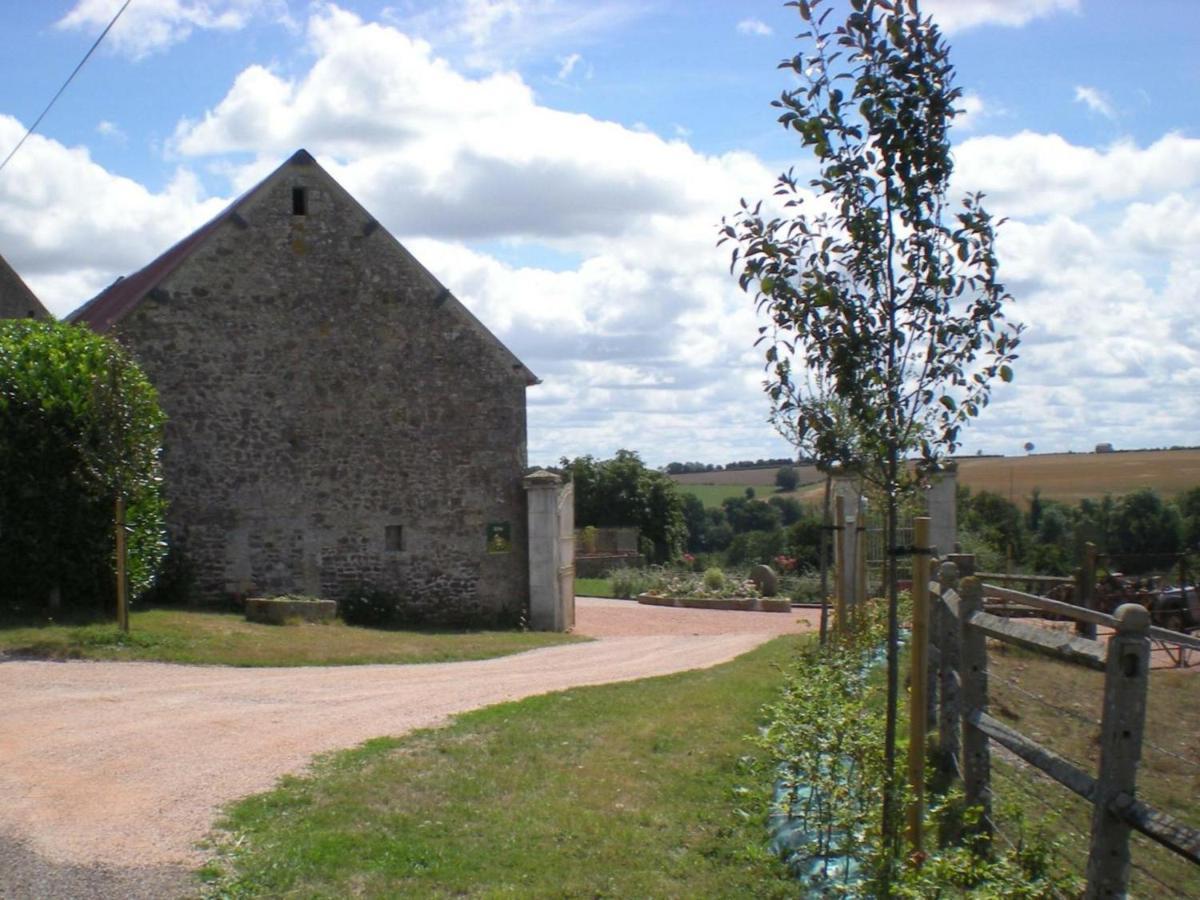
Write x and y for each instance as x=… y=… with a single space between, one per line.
x=17 y=301
x=124 y=295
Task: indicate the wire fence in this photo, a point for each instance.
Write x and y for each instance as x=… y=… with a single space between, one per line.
x=1059 y=705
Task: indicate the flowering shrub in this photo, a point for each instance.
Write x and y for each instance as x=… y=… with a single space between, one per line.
x=714 y=579
x=690 y=584
x=785 y=563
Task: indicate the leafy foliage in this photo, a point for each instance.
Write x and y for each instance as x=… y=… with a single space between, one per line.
x=1137 y=533
x=890 y=298
x=622 y=492
x=79 y=425
x=1145 y=525
x=825 y=734
x=787 y=478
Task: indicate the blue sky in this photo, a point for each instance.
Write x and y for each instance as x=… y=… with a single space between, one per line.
x=562 y=165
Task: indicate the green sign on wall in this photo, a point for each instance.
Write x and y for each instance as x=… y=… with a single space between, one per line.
x=499 y=537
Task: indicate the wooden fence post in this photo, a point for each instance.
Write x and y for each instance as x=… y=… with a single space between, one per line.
x=976 y=763
x=839 y=561
x=1085 y=589
x=918 y=693
x=1126 y=679
x=949 y=656
x=933 y=662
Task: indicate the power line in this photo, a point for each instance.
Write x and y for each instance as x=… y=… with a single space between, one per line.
x=70 y=78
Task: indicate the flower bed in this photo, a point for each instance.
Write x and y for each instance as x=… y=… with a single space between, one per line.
x=745 y=604
x=712 y=590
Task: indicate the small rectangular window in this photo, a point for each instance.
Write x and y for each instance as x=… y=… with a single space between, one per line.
x=393 y=537
x=299 y=201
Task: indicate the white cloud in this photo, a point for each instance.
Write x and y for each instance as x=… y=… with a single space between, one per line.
x=588 y=247
x=455 y=156
x=70 y=227
x=151 y=26
x=111 y=131
x=1168 y=226
x=755 y=27
x=567 y=65
x=971 y=109
x=1094 y=100
x=498 y=34
x=1031 y=173
x=960 y=15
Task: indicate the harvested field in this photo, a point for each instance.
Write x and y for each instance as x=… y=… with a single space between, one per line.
x=1068 y=477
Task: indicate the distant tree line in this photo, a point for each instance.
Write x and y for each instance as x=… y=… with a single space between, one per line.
x=1138 y=532
x=684 y=468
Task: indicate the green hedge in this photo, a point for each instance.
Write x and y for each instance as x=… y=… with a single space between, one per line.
x=78 y=423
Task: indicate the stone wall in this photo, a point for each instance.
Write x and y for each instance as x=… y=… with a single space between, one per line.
x=334 y=420
x=17 y=301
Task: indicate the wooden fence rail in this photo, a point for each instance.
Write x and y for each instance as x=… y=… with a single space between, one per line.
x=958 y=675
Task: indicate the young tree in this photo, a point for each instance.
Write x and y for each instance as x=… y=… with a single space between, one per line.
x=809 y=415
x=870 y=279
x=80 y=427
x=787 y=478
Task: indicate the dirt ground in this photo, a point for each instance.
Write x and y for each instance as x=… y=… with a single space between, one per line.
x=112 y=772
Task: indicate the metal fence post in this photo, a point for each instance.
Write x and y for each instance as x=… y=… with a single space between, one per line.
x=1126 y=679
x=976 y=762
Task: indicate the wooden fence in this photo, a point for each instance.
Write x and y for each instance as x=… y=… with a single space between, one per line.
x=956 y=699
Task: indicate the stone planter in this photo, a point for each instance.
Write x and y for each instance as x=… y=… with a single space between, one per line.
x=744 y=604
x=775 y=604
x=285 y=610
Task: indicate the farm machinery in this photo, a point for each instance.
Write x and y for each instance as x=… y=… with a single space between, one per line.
x=1176 y=608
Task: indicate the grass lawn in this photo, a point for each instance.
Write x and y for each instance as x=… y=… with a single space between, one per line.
x=594 y=587
x=227 y=639
x=711 y=495
x=1070 y=697
x=643 y=789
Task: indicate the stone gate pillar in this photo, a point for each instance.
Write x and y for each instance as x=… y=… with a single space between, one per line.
x=941 y=504
x=548 y=609
x=847 y=489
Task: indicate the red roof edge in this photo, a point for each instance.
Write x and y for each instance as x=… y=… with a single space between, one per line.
x=121 y=297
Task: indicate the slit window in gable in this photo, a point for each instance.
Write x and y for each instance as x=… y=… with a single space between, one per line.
x=299 y=201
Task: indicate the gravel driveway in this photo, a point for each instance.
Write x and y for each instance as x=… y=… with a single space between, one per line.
x=112 y=772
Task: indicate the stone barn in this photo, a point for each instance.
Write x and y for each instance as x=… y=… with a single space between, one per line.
x=17 y=301
x=337 y=420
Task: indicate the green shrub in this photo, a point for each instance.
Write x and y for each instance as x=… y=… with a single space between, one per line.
x=628 y=583
x=804 y=588
x=755 y=547
x=787 y=478
x=714 y=579
x=79 y=423
x=371 y=607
